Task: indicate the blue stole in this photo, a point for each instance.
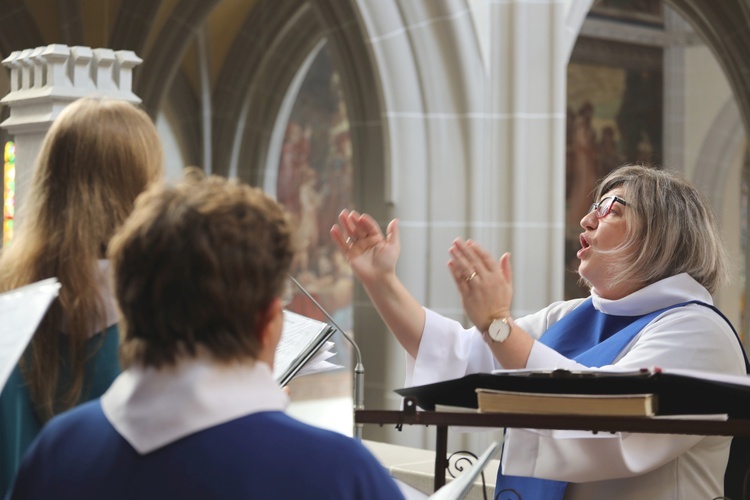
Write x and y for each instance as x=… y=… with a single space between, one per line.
x=591 y=338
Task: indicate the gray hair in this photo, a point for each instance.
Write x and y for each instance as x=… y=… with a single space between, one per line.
x=670 y=227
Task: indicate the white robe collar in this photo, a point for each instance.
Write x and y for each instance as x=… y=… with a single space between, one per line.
x=663 y=293
x=104 y=283
x=152 y=408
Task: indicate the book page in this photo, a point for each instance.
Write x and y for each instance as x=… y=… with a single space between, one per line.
x=608 y=371
x=21 y=311
x=455 y=409
x=712 y=376
x=743 y=380
x=299 y=338
x=319 y=362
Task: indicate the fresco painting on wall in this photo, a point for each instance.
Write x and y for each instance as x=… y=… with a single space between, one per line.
x=315 y=184
x=614 y=116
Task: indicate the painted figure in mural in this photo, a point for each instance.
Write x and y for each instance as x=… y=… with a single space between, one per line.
x=97 y=157
x=294 y=154
x=608 y=155
x=584 y=165
x=314 y=184
x=199 y=271
x=650 y=287
x=639 y=120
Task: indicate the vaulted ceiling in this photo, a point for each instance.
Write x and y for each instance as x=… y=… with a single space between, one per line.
x=229 y=49
x=233 y=54
x=725 y=25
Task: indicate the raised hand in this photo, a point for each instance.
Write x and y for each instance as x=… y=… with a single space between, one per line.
x=486 y=285
x=371 y=254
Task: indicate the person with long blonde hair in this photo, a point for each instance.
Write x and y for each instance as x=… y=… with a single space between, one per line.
x=97 y=157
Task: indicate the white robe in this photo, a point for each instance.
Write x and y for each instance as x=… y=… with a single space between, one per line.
x=604 y=465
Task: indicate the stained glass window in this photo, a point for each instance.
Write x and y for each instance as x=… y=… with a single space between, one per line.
x=9 y=190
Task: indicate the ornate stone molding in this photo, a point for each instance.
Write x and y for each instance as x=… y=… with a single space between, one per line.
x=45 y=79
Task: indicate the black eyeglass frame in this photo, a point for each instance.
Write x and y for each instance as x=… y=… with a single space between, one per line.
x=603 y=202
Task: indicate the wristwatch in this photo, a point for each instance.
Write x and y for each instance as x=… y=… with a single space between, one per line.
x=499 y=329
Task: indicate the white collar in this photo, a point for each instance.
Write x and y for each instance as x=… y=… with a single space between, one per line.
x=663 y=293
x=104 y=283
x=151 y=408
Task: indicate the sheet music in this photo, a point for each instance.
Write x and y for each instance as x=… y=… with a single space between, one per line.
x=21 y=311
x=319 y=362
x=300 y=335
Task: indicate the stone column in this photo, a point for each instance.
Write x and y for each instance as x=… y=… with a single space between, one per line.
x=524 y=181
x=46 y=79
x=475 y=139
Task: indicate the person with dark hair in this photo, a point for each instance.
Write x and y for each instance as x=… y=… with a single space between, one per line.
x=651 y=254
x=199 y=271
x=97 y=157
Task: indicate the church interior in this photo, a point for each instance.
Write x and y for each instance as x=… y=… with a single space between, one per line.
x=482 y=119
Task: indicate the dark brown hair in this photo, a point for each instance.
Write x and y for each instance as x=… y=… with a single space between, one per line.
x=196 y=266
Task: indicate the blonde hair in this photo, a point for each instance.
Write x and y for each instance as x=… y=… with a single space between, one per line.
x=98 y=155
x=670 y=226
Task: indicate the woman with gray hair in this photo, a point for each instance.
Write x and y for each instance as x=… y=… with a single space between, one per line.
x=652 y=255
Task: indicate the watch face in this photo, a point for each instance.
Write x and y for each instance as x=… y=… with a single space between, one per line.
x=499 y=330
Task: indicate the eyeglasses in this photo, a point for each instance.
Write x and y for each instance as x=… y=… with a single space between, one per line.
x=604 y=207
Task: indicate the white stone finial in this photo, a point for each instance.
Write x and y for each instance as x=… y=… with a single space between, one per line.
x=79 y=67
x=14 y=65
x=38 y=70
x=102 y=69
x=55 y=58
x=125 y=61
x=26 y=69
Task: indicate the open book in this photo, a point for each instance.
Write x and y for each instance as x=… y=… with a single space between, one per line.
x=21 y=311
x=620 y=405
x=304 y=348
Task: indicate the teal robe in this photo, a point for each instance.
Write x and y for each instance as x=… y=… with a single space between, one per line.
x=19 y=424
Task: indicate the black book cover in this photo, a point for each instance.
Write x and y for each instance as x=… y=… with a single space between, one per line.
x=678 y=394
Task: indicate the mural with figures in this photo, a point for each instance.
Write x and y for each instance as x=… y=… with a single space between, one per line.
x=614 y=116
x=315 y=184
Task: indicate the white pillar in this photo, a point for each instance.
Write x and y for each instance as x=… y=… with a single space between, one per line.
x=475 y=149
x=46 y=79
x=524 y=183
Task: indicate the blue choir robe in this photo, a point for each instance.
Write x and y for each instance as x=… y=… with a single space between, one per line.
x=595 y=339
x=197 y=431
